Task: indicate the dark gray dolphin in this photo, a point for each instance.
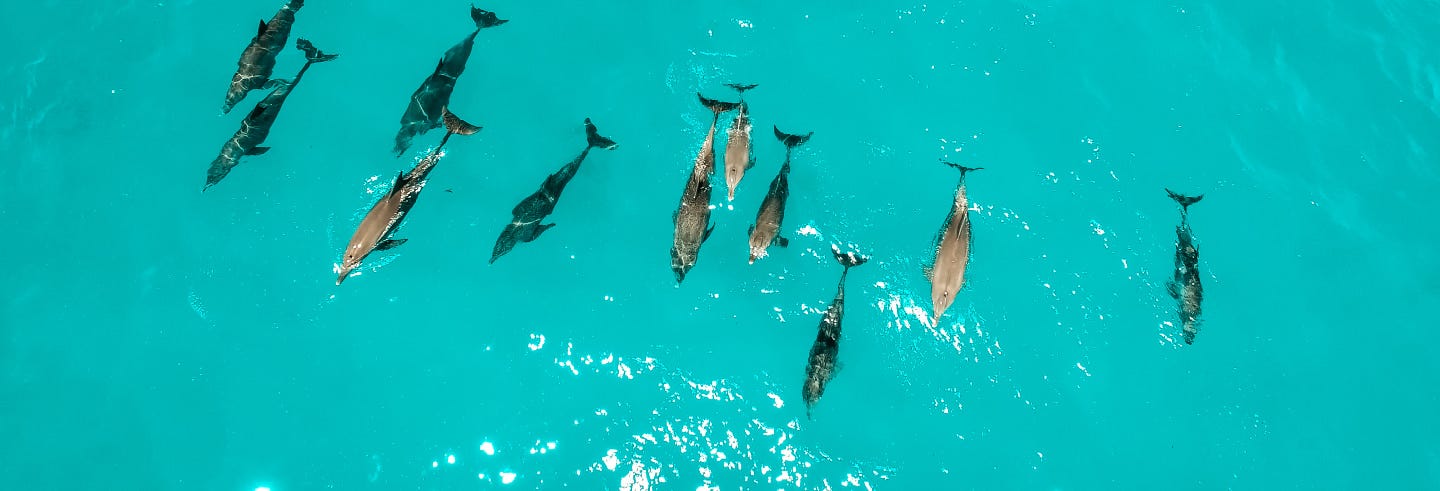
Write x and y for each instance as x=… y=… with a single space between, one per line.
x=737 y=145
x=820 y=367
x=258 y=60
x=256 y=125
x=1185 y=287
x=376 y=229
x=423 y=114
x=766 y=230
x=952 y=249
x=525 y=223
x=692 y=219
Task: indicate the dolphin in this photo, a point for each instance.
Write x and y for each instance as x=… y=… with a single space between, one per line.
x=1185 y=288
x=258 y=60
x=820 y=367
x=952 y=249
x=256 y=125
x=737 y=146
x=423 y=113
x=376 y=229
x=766 y=229
x=525 y=223
x=692 y=218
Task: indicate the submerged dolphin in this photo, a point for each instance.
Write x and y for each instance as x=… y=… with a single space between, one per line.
x=952 y=250
x=256 y=126
x=766 y=229
x=376 y=229
x=1185 y=288
x=692 y=219
x=820 y=367
x=423 y=113
x=258 y=60
x=525 y=223
x=737 y=146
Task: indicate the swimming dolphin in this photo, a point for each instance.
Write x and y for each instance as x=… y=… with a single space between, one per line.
x=820 y=367
x=256 y=125
x=692 y=219
x=376 y=229
x=952 y=249
x=766 y=229
x=525 y=223
x=258 y=60
x=737 y=146
x=1185 y=288
x=423 y=113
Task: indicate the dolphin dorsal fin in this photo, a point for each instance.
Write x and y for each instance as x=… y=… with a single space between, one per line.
x=263 y=27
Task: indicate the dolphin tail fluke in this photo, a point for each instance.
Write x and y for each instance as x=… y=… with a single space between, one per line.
x=847 y=259
x=963 y=169
x=313 y=54
x=485 y=18
x=1185 y=201
x=593 y=138
x=792 y=141
x=741 y=88
x=717 y=106
x=456 y=125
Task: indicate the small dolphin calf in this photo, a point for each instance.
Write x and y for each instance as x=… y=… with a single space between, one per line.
x=766 y=229
x=423 y=114
x=376 y=229
x=256 y=125
x=952 y=250
x=692 y=219
x=525 y=223
x=737 y=146
x=258 y=60
x=1185 y=288
x=821 y=366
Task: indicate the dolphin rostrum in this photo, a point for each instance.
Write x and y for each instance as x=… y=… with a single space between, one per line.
x=766 y=229
x=820 y=367
x=423 y=113
x=525 y=223
x=692 y=219
x=952 y=249
x=376 y=229
x=737 y=145
x=256 y=125
x=258 y=60
x=1185 y=288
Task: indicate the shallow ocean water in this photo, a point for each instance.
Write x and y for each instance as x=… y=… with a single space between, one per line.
x=156 y=337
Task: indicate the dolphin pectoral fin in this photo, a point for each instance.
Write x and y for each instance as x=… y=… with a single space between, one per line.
x=540 y=230
x=706 y=237
x=750 y=231
x=275 y=82
x=751 y=163
x=1173 y=289
x=388 y=244
x=257 y=151
x=782 y=242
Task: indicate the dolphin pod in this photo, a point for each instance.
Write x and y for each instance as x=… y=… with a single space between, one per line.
x=525 y=219
x=423 y=113
x=692 y=219
x=256 y=125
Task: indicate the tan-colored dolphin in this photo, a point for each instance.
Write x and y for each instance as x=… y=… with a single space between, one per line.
x=766 y=230
x=952 y=249
x=737 y=145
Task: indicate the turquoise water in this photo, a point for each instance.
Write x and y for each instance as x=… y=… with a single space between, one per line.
x=155 y=337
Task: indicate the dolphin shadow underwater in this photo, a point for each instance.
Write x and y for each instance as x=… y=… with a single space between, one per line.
x=256 y=125
x=820 y=366
x=525 y=219
x=376 y=230
x=257 y=62
x=423 y=113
